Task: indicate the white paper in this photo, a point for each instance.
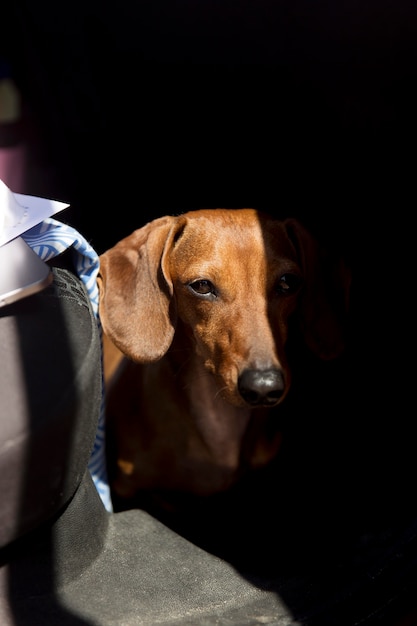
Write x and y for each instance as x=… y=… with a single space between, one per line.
x=19 y=212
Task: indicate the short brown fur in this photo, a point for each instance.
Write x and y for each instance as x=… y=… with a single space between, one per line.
x=195 y=311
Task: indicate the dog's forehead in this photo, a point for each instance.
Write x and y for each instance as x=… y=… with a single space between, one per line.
x=244 y=234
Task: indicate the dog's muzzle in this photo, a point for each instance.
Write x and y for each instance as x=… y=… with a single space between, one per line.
x=261 y=387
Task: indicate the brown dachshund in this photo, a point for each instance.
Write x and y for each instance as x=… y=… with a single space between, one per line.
x=195 y=311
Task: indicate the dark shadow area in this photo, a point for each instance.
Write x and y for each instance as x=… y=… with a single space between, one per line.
x=152 y=109
x=330 y=526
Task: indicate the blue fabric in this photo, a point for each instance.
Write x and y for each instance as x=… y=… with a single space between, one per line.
x=48 y=239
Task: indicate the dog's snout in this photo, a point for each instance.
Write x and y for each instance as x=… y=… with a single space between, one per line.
x=261 y=387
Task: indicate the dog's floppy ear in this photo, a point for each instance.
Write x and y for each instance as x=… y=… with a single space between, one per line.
x=325 y=296
x=136 y=307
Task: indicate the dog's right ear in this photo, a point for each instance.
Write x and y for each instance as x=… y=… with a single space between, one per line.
x=324 y=307
x=136 y=307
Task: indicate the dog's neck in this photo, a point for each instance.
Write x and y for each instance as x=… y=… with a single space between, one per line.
x=214 y=440
x=220 y=425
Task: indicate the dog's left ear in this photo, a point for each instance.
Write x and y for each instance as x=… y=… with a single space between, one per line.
x=325 y=296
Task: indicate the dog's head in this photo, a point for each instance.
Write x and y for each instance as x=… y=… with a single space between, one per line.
x=232 y=279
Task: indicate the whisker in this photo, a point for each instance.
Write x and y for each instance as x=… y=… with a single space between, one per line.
x=219 y=391
x=195 y=377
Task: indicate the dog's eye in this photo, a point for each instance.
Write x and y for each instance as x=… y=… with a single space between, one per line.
x=203 y=288
x=288 y=283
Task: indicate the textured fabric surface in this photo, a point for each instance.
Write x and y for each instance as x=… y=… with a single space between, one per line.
x=49 y=239
x=51 y=391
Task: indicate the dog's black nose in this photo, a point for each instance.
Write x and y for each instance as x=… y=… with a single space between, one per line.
x=261 y=387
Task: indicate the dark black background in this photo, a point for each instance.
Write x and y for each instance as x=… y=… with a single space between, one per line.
x=154 y=107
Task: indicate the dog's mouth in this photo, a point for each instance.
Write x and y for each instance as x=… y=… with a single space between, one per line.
x=262 y=388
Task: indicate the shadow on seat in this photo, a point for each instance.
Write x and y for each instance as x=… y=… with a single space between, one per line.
x=65 y=560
